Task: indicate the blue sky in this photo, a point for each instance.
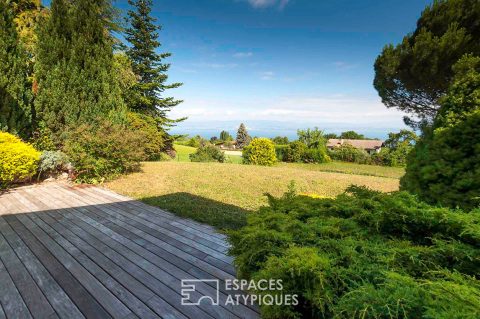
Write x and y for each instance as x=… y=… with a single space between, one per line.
x=279 y=65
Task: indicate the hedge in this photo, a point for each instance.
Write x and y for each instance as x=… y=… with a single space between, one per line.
x=363 y=255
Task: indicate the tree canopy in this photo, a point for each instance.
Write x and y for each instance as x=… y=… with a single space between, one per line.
x=444 y=167
x=413 y=75
x=148 y=65
x=75 y=65
x=243 y=139
x=15 y=95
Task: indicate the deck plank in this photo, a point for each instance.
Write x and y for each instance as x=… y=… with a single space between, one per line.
x=11 y=300
x=74 y=252
x=164 y=222
x=53 y=292
x=31 y=294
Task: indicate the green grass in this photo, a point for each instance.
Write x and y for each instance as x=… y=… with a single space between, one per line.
x=351 y=168
x=222 y=194
x=183 y=153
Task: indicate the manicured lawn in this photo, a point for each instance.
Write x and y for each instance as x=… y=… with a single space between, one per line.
x=221 y=194
x=183 y=153
x=351 y=168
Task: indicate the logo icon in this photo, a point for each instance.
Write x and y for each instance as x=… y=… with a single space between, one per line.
x=192 y=297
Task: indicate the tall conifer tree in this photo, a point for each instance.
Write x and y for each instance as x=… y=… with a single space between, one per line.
x=15 y=91
x=74 y=69
x=149 y=65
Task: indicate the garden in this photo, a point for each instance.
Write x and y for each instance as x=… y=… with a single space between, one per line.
x=394 y=234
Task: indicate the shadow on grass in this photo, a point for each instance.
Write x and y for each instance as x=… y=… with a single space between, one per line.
x=220 y=215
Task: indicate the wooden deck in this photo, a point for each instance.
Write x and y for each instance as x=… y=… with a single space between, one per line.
x=86 y=252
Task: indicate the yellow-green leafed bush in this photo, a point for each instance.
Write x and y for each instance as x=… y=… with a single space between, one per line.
x=261 y=151
x=18 y=160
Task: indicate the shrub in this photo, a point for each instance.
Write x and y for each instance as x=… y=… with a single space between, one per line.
x=316 y=155
x=103 y=151
x=363 y=254
x=280 y=150
x=42 y=138
x=52 y=163
x=154 y=138
x=295 y=152
x=348 y=153
x=444 y=167
x=260 y=151
x=208 y=153
x=18 y=160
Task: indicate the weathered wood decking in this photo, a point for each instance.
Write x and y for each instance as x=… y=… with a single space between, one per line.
x=74 y=252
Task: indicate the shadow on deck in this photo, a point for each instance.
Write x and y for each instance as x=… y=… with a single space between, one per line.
x=73 y=252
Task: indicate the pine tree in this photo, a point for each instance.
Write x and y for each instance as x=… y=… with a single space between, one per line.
x=243 y=139
x=148 y=65
x=15 y=92
x=75 y=66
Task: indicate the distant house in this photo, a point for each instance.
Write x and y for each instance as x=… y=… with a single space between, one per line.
x=232 y=145
x=370 y=146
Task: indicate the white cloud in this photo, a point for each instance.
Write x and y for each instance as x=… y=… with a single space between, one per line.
x=241 y=55
x=328 y=111
x=216 y=65
x=269 y=3
x=342 y=65
x=268 y=75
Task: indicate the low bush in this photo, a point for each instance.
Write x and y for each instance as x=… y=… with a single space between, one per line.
x=280 y=151
x=348 y=153
x=260 y=151
x=208 y=153
x=316 y=155
x=298 y=152
x=103 y=151
x=53 y=163
x=18 y=160
x=154 y=139
x=295 y=152
x=42 y=138
x=363 y=254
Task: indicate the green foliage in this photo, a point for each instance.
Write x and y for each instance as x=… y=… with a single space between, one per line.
x=15 y=90
x=396 y=149
x=103 y=151
x=208 y=153
x=444 y=167
x=348 y=153
x=260 y=151
x=148 y=65
x=280 y=140
x=316 y=155
x=416 y=73
x=281 y=150
x=330 y=136
x=18 y=160
x=363 y=254
x=52 y=163
x=42 y=138
x=153 y=137
x=313 y=138
x=74 y=68
x=243 y=139
x=352 y=135
x=295 y=152
x=225 y=136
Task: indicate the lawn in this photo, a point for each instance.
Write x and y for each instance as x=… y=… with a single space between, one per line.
x=222 y=194
x=183 y=153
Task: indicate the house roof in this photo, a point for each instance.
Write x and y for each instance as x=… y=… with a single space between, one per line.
x=362 y=144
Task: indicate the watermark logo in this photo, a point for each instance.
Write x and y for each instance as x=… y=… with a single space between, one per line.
x=262 y=292
x=192 y=297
